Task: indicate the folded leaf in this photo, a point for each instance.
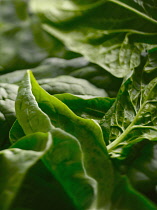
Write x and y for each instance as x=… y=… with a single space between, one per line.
x=16 y=132
x=43 y=107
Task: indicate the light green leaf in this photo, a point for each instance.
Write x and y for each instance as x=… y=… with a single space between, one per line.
x=86 y=131
x=79 y=145
x=31 y=118
x=66 y=162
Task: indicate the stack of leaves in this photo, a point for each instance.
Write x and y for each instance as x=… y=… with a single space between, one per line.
x=76 y=134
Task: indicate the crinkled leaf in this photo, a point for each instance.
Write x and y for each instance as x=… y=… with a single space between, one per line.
x=8 y=94
x=82 y=135
x=100 y=32
x=69 y=84
x=49 y=68
x=64 y=157
x=77 y=67
x=132 y=117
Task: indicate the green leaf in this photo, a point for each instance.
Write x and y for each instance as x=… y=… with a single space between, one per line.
x=16 y=132
x=90 y=108
x=76 y=67
x=30 y=116
x=126 y=197
x=69 y=84
x=16 y=161
x=23 y=42
x=49 y=68
x=132 y=118
x=100 y=32
x=44 y=106
x=142 y=170
x=8 y=94
x=65 y=161
x=40 y=190
x=79 y=149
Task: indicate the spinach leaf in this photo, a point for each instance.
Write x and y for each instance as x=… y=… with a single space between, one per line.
x=142 y=170
x=110 y=33
x=69 y=84
x=16 y=132
x=89 y=108
x=69 y=156
x=16 y=161
x=23 y=42
x=40 y=190
x=132 y=118
x=35 y=106
x=8 y=94
x=76 y=67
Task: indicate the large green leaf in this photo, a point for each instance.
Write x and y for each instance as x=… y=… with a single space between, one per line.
x=110 y=33
x=132 y=118
x=77 y=67
x=49 y=68
x=90 y=108
x=8 y=94
x=79 y=146
x=69 y=84
x=35 y=106
x=40 y=190
x=16 y=161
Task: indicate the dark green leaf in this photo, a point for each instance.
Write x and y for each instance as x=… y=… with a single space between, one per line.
x=16 y=161
x=8 y=94
x=132 y=118
x=69 y=84
x=90 y=108
x=109 y=33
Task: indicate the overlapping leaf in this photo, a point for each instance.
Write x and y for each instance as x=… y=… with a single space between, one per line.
x=132 y=117
x=77 y=146
x=8 y=93
x=110 y=33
